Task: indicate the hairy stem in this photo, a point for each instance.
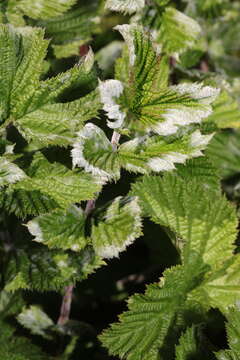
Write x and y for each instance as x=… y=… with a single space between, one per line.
x=90 y=206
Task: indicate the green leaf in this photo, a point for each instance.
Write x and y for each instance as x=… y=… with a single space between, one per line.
x=59 y=183
x=205 y=225
x=60 y=229
x=178 y=31
x=24 y=202
x=191 y=345
x=158 y=153
x=56 y=124
x=9 y=172
x=120 y=226
x=140 y=99
x=226 y=111
x=36 y=320
x=233 y=336
x=10 y=45
x=45 y=9
x=77 y=24
x=201 y=169
x=142 y=329
x=94 y=152
x=126 y=7
x=28 y=102
x=224 y=151
x=202 y=218
x=14 y=347
x=44 y=270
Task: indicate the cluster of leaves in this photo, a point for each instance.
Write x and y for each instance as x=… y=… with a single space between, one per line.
x=158 y=102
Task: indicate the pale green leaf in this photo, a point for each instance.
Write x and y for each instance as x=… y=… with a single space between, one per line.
x=120 y=226
x=158 y=153
x=141 y=100
x=94 y=152
x=178 y=31
x=45 y=9
x=27 y=102
x=55 y=180
x=30 y=66
x=10 y=45
x=63 y=229
x=56 y=124
x=205 y=223
x=35 y=320
x=224 y=152
x=125 y=6
x=9 y=172
x=226 y=111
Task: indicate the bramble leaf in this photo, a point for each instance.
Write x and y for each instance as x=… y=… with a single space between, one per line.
x=35 y=319
x=24 y=202
x=177 y=31
x=118 y=229
x=44 y=270
x=44 y=9
x=27 y=102
x=94 y=152
x=233 y=336
x=9 y=172
x=141 y=101
x=205 y=231
x=127 y=6
x=63 y=229
x=59 y=183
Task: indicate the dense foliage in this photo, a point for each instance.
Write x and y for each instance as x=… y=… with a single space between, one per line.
x=119 y=124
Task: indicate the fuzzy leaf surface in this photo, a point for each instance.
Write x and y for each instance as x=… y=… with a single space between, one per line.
x=120 y=226
x=55 y=180
x=63 y=229
x=206 y=230
x=141 y=99
x=28 y=102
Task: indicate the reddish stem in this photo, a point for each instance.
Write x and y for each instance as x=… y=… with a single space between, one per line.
x=67 y=298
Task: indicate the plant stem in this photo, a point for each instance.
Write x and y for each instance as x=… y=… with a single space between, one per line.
x=66 y=305
x=90 y=206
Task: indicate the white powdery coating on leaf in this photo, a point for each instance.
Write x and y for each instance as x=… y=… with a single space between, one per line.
x=204 y=94
x=200 y=141
x=35 y=230
x=184 y=115
x=125 y=6
x=111 y=251
x=127 y=32
x=9 y=172
x=179 y=117
x=109 y=90
x=77 y=152
x=166 y=162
